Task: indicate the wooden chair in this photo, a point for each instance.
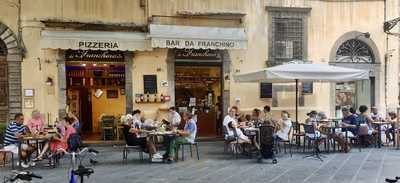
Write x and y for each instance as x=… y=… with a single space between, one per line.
x=108 y=127
x=4 y=153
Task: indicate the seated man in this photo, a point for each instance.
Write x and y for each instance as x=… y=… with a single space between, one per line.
x=132 y=138
x=350 y=122
x=187 y=135
x=14 y=131
x=231 y=117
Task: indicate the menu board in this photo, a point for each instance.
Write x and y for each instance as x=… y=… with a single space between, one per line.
x=266 y=90
x=307 y=87
x=150 y=84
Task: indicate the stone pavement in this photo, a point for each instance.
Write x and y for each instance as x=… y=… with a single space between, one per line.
x=370 y=165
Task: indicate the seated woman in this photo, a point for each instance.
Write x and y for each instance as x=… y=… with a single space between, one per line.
x=60 y=140
x=283 y=127
x=132 y=138
x=234 y=131
x=392 y=127
x=312 y=119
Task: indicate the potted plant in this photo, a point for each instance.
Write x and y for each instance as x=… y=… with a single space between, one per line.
x=3 y=127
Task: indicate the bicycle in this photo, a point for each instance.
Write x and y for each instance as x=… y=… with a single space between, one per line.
x=81 y=171
x=21 y=177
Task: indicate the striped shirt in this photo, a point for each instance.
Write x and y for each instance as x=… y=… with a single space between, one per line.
x=12 y=129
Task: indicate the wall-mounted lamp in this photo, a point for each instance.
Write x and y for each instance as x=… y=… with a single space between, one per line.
x=49 y=81
x=365 y=34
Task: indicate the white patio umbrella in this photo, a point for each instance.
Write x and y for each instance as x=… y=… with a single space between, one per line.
x=295 y=72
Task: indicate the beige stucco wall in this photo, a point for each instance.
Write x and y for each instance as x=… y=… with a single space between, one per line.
x=94 y=11
x=150 y=63
x=327 y=22
x=9 y=14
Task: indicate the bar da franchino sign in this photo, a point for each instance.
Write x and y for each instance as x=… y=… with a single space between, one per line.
x=94 y=55
x=198 y=44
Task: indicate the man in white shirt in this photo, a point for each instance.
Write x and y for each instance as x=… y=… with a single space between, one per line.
x=231 y=117
x=173 y=117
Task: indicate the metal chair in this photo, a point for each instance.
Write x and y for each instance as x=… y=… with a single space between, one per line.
x=297 y=134
x=312 y=135
x=127 y=148
x=182 y=146
x=285 y=143
x=230 y=142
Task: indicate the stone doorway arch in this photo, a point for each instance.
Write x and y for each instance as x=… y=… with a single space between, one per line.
x=10 y=74
x=354 y=50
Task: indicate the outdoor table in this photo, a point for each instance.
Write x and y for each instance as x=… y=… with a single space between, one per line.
x=252 y=132
x=332 y=130
x=379 y=124
x=164 y=134
x=30 y=137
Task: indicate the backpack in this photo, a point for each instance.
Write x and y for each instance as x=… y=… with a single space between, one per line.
x=74 y=142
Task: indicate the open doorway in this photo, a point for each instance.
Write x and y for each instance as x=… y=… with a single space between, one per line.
x=95 y=89
x=200 y=87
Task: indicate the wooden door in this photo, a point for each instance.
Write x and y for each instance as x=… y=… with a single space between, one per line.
x=3 y=90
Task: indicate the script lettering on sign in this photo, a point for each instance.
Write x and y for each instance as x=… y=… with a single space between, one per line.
x=98 y=44
x=94 y=55
x=204 y=54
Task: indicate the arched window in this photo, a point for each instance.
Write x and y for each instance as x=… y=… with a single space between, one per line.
x=3 y=49
x=354 y=51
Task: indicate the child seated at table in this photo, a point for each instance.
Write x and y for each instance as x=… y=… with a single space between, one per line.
x=283 y=127
x=59 y=141
x=36 y=123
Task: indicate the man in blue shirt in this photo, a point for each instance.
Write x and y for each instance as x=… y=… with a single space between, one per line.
x=15 y=130
x=349 y=121
x=187 y=135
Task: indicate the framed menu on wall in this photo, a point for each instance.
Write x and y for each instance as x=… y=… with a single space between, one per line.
x=150 y=84
x=266 y=90
x=308 y=87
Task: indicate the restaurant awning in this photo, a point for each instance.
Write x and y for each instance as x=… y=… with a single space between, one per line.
x=95 y=40
x=194 y=37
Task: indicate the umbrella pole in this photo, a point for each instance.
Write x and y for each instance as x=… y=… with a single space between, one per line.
x=297 y=100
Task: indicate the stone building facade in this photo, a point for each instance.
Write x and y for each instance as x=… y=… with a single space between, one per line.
x=37 y=36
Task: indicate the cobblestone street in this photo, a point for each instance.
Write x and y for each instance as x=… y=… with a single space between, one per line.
x=370 y=165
